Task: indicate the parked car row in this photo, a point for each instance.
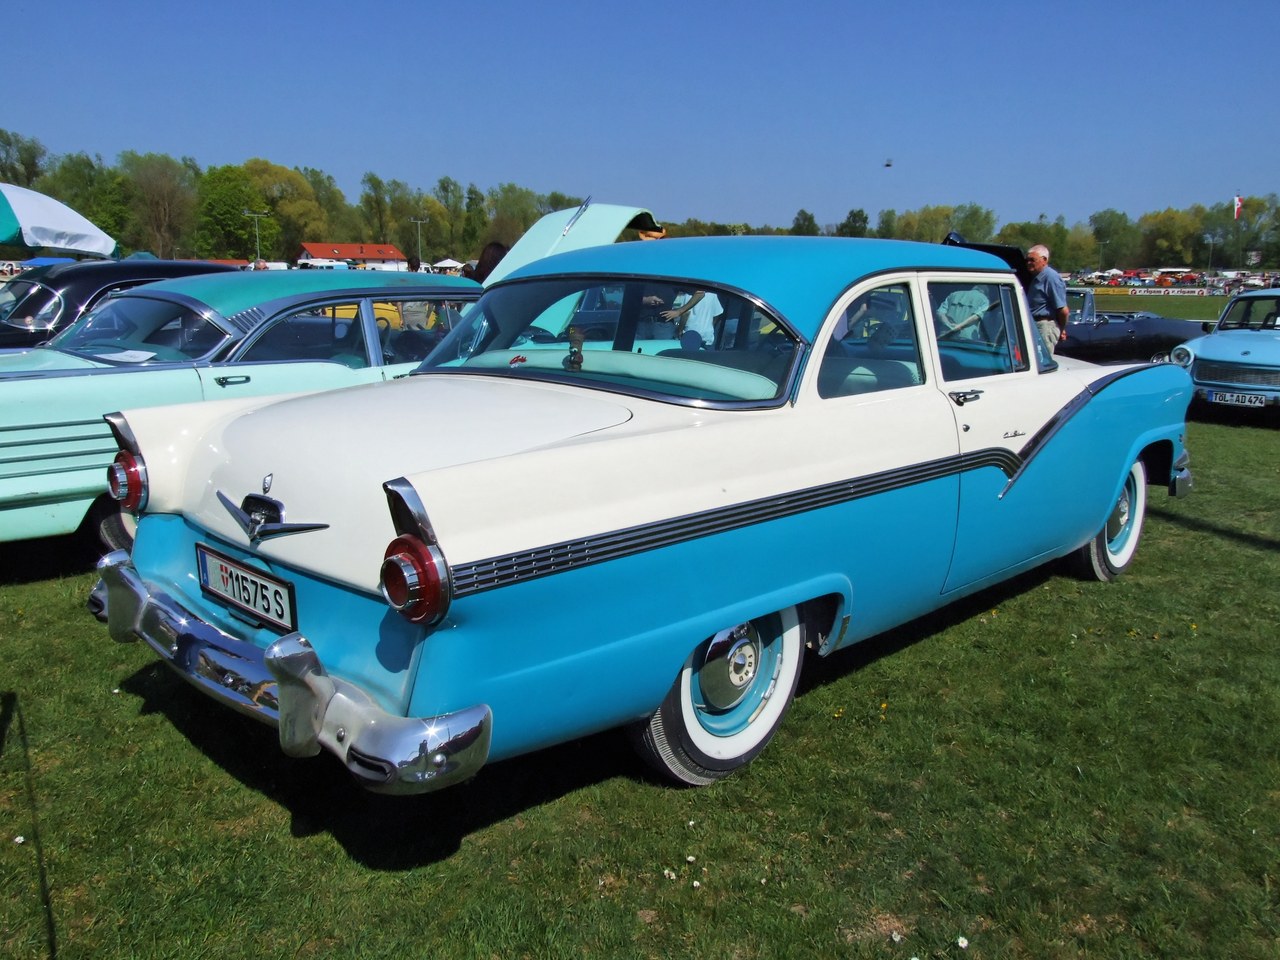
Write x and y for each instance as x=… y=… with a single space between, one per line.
x=226 y=335
x=630 y=486
x=1115 y=336
x=41 y=301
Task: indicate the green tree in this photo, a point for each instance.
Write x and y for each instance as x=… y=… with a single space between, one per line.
x=1117 y=237
x=976 y=224
x=1027 y=234
x=90 y=187
x=515 y=210
x=21 y=159
x=341 y=216
x=161 y=194
x=804 y=224
x=555 y=200
x=475 y=224
x=887 y=224
x=854 y=224
x=928 y=224
x=450 y=224
x=223 y=231
x=375 y=208
x=296 y=214
x=1168 y=237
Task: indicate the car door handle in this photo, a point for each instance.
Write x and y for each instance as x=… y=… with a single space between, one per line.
x=231 y=381
x=961 y=397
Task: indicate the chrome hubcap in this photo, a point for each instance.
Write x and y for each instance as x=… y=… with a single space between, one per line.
x=731 y=663
x=1119 y=516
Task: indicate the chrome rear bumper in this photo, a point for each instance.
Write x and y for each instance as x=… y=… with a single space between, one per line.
x=1181 y=481
x=286 y=686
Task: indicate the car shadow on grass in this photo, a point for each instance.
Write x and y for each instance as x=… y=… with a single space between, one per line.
x=399 y=833
x=820 y=671
x=29 y=561
x=380 y=832
x=1229 y=416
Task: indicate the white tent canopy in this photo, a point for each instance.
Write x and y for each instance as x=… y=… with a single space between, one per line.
x=447 y=264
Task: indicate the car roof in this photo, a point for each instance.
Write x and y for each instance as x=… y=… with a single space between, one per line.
x=60 y=272
x=229 y=293
x=800 y=277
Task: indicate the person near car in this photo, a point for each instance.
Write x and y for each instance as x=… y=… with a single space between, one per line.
x=490 y=257
x=414 y=314
x=1047 y=297
x=696 y=312
x=960 y=313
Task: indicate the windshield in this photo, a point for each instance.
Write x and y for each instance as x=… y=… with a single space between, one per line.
x=134 y=329
x=678 y=341
x=28 y=306
x=1251 y=313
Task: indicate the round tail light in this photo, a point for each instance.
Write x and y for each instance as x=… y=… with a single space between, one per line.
x=415 y=580
x=127 y=481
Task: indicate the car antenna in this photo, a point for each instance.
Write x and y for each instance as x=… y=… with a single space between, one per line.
x=574 y=219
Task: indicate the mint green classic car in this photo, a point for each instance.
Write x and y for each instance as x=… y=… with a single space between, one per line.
x=224 y=337
x=213 y=337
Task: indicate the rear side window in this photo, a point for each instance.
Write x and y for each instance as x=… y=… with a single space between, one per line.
x=977 y=329
x=333 y=332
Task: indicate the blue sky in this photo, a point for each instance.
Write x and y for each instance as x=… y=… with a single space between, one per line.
x=734 y=112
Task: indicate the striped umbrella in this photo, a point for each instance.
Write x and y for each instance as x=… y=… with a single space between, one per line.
x=36 y=222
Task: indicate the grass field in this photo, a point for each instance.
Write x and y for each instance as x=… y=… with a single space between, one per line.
x=1182 y=308
x=1051 y=769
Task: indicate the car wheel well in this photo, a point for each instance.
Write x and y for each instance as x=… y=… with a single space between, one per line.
x=820 y=619
x=1158 y=459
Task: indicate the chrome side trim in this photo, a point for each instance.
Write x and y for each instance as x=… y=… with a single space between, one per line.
x=286 y=686
x=494 y=572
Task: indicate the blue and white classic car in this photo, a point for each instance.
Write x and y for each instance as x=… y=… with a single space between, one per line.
x=1237 y=363
x=768 y=445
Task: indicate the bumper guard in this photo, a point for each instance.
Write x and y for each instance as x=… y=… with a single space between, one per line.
x=286 y=686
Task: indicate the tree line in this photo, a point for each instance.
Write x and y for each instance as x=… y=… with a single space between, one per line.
x=175 y=208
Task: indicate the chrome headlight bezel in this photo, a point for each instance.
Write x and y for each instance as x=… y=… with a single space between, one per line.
x=1181 y=355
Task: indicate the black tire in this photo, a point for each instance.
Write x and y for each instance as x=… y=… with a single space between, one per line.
x=1111 y=552
x=113 y=528
x=728 y=701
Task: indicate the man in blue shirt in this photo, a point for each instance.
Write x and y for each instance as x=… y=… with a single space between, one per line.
x=1047 y=297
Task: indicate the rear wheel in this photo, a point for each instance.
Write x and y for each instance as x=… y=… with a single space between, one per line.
x=727 y=702
x=1109 y=554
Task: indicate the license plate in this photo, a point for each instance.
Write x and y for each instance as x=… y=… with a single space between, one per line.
x=266 y=599
x=1238 y=399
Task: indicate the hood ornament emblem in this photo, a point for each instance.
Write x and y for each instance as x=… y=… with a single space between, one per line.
x=266 y=483
x=260 y=517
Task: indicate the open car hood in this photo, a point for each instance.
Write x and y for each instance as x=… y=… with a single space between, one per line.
x=590 y=225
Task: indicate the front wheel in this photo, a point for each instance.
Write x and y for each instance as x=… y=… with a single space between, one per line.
x=727 y=702
x=1109 y=554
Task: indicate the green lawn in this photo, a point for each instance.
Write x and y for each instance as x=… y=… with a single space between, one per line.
x=1051 y=769
x=1182 y=308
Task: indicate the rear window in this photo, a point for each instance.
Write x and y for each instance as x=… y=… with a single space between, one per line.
x=134 y=329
